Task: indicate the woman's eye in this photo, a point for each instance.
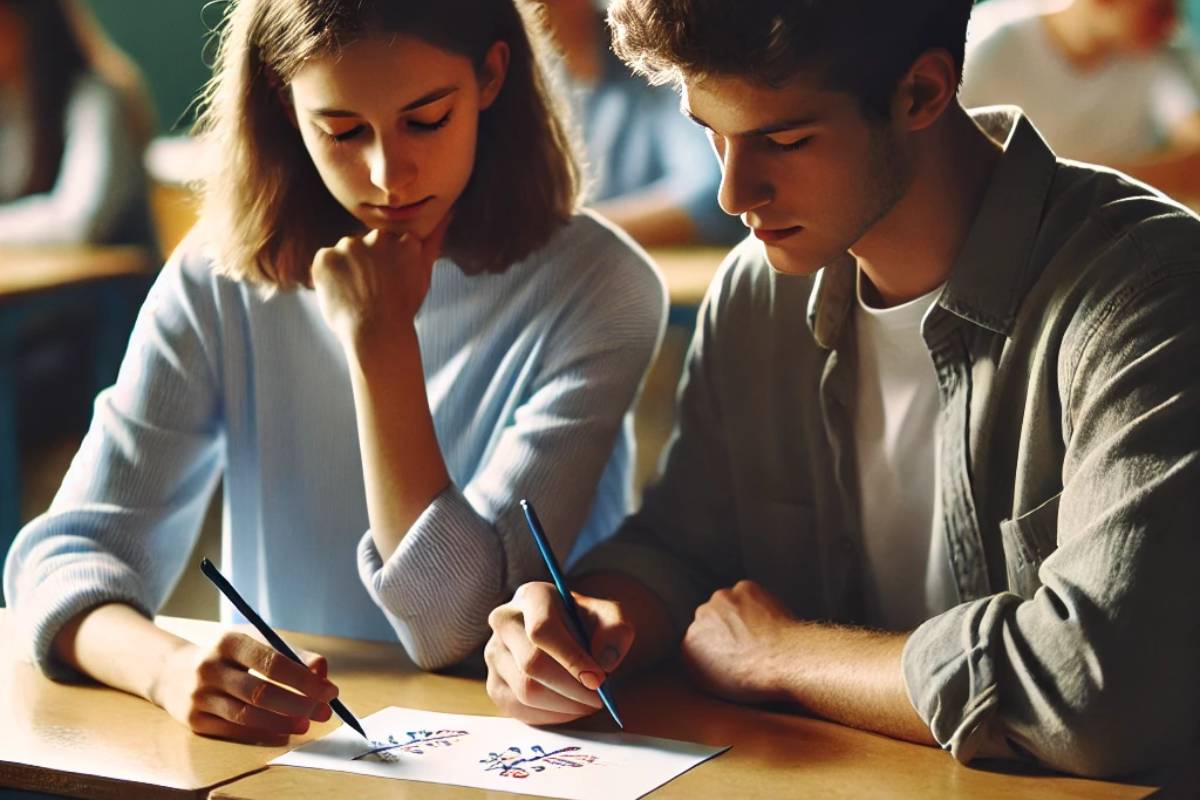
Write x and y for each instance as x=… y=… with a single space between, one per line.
x=417 y=124
x=345 y=135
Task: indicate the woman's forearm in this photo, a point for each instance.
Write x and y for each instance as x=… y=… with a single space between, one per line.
x=118 y=647
x=403 y=468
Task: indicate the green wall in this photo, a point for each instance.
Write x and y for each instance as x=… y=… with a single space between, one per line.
x=169 y=40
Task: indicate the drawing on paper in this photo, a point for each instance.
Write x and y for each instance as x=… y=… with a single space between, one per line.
x=419 y=742
x=512 y=763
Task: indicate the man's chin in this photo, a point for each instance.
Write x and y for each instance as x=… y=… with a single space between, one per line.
x=787 y=263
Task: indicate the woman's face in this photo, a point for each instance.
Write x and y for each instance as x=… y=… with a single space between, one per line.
x=390 y=124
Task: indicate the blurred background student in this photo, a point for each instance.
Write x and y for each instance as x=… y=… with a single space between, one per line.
x=652 y=170
x=1098 y=78
x=74 y=120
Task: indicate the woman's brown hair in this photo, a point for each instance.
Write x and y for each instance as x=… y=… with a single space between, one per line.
x=265 y=207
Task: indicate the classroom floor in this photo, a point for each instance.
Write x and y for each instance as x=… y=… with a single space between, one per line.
x=44 y=466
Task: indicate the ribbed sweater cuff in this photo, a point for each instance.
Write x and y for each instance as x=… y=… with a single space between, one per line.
x=439 y=586
x=51 y=600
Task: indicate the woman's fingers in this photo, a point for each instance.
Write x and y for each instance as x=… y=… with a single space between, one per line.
x=207 y=724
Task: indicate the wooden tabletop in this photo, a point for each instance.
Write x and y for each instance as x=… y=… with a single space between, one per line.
x=88 y=741
x=25 y=270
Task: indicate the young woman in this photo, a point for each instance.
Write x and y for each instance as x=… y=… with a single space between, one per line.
x=468 y=340
x=74 y=119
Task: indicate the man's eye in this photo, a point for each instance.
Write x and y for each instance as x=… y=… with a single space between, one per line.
x=789 y=146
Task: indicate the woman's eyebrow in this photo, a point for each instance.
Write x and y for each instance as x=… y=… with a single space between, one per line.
x=424 y=100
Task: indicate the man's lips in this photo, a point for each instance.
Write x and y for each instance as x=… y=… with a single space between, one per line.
x=771 y=235
x=400 y=212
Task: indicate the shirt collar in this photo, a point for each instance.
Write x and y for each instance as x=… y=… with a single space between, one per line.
x=991 y=273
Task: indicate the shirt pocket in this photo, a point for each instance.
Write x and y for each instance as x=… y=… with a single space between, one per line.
x=1028 y=540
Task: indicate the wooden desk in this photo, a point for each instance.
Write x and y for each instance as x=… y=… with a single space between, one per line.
x=25 y=270
x=39 y=281
x=688 y=271
x=89 y=741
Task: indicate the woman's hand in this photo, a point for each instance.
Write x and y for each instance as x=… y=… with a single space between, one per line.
x=372 y=286
x=212 y=690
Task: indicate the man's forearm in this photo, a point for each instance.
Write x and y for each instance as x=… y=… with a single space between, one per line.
x=851 y=676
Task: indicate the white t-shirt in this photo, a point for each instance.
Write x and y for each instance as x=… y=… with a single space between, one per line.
x=1119 y=111
x=907 y=569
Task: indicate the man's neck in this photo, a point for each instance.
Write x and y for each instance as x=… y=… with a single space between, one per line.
x=911 y=251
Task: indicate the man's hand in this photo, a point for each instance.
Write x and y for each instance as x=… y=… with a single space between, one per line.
x=736 y=646
x=212 y=691
x=537 y=672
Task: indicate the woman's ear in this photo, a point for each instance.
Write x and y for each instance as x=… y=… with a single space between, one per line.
x=492 y=73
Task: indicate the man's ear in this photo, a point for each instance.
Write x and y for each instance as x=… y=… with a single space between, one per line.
x=492 y=73
x=925 y=91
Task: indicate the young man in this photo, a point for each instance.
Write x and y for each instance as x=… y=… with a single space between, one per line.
x=948 y=391
x=1098 y=80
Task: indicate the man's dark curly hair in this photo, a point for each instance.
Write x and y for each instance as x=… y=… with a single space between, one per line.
x=862 y=47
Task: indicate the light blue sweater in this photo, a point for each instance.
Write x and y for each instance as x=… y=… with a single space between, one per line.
x=530 y=375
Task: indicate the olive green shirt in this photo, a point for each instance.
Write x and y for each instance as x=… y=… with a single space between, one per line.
x=1067 y=352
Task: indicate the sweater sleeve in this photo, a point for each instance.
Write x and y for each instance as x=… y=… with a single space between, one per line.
x=129 y=508
x=470 y=549
x=99 y=178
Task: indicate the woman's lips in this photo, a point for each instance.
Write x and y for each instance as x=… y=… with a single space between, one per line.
x=772 y=235
x=399 y=213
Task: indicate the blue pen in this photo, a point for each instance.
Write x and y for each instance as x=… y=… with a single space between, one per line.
x=543 y=546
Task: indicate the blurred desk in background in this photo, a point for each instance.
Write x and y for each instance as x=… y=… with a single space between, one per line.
x=688 y=271
x=38 y=284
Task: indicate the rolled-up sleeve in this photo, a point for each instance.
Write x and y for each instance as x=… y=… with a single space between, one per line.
x=1095 y=674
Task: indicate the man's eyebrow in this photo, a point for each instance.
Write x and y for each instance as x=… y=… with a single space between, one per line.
x=765 y=130
x=423 y=100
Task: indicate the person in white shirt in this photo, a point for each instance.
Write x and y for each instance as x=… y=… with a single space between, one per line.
x=1096 y=78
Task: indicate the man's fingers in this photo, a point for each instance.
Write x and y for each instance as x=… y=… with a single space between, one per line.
x=530 y=663
x=523 y=697
x=547 y=629
x=252 y=654
x=612 y=636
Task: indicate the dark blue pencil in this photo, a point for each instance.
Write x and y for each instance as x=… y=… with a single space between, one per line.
x=226 y=588
x=560 y=583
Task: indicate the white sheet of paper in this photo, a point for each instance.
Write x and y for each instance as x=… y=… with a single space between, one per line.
x=502 y=753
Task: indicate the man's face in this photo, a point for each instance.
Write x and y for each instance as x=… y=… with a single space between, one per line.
x=801 y=166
